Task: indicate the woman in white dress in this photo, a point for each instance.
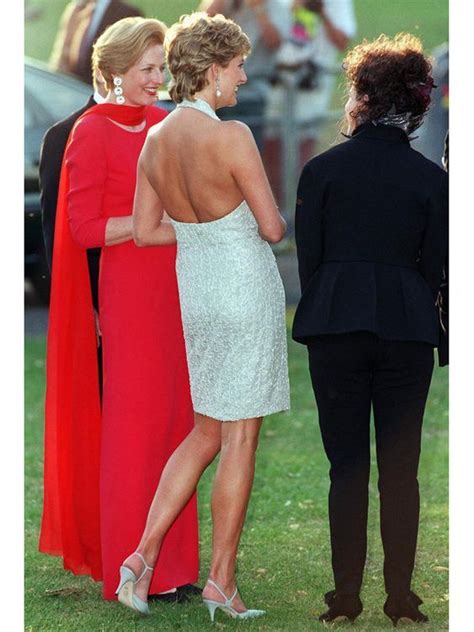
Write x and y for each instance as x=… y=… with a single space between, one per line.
x=209 y=177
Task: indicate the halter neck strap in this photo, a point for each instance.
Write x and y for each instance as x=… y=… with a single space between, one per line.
x=201 y=105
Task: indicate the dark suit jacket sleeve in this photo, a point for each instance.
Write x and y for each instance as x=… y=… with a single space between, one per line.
x=308 y=224
x=51 y=157
x=435 y=240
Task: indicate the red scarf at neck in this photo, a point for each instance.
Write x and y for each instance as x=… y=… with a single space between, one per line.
x=124 y=114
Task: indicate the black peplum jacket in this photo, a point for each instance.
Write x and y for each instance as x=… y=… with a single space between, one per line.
x=371 y=234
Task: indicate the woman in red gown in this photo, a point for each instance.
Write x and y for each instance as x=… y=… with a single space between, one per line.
x=101 y=469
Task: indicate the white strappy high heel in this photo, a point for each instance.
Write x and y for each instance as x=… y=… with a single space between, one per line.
x=226 y=606
x=125 y=590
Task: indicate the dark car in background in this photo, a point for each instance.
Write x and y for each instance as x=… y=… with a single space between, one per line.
x=49 y=97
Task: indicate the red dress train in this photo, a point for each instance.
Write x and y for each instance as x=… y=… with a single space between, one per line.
x=101 y=471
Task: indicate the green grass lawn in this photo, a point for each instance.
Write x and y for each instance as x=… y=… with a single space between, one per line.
x=284 y=557
x=284 y=560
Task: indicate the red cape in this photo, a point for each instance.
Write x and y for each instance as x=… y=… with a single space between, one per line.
x=71 y=513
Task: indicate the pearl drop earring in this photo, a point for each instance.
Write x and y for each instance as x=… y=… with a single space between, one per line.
x=218 y=87
x=118 y=90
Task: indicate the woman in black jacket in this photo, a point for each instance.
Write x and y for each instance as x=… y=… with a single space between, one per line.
x=371 y=235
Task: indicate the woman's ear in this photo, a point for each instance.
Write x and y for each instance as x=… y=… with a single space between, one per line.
x=215 y=69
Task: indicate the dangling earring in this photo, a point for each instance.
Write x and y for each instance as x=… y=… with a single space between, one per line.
x=118 y=90
x=218 y=87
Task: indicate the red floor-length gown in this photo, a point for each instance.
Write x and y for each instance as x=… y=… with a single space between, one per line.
x=101 y=471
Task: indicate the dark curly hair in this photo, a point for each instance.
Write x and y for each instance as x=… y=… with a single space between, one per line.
x=394 y=74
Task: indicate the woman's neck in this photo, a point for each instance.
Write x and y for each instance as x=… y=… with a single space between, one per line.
x=208 y=97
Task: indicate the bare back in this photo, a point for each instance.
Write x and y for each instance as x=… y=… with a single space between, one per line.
x=194 y=164
x=189 y=165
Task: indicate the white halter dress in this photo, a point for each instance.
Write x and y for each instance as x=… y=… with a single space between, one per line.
x=233 y=310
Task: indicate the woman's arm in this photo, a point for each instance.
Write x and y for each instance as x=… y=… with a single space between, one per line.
x=337 y=36
x=249 y=174
x=271 y=35
x=87 y=163
x=149 y=226
x=118 y=230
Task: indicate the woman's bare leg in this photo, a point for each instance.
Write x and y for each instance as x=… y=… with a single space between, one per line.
x=230 y=497
x=177 y=484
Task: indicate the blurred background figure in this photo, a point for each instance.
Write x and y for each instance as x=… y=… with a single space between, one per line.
x=443 y=296
x=431 y=136
x=267 y=24
x=32 y=12
x=321 y=29
x=81 y=24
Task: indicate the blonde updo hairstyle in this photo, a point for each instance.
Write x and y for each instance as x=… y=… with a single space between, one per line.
x=196 y=42
x=123 y=44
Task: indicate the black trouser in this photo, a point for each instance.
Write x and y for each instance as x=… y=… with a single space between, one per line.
x=351 y=372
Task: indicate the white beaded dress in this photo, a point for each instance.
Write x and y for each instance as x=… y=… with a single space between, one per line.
x=233 y=310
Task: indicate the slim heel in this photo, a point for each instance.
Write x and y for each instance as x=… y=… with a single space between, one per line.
x=212 y=607
x=126 y=575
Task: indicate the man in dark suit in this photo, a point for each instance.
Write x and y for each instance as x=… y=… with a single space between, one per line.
x=51 y=158
x=81 y=24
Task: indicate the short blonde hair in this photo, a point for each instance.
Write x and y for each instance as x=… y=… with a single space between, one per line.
x=123 y=43
x=196 y=42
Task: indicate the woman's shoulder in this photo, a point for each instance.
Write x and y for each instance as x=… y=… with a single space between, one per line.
x=89 y=124
x=330 y=158
x=237 y=128
x=235 y=135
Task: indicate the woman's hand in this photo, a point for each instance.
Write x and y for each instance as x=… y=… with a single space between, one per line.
x=118 y=230
x=249 y=174
x=98 y=332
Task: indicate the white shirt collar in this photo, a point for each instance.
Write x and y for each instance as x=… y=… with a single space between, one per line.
x=98 y=98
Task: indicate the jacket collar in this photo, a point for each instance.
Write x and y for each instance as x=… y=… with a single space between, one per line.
x=388 y=133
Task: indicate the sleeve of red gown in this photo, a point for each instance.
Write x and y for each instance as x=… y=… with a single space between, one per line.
x=70 y=522
x=86 y=162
